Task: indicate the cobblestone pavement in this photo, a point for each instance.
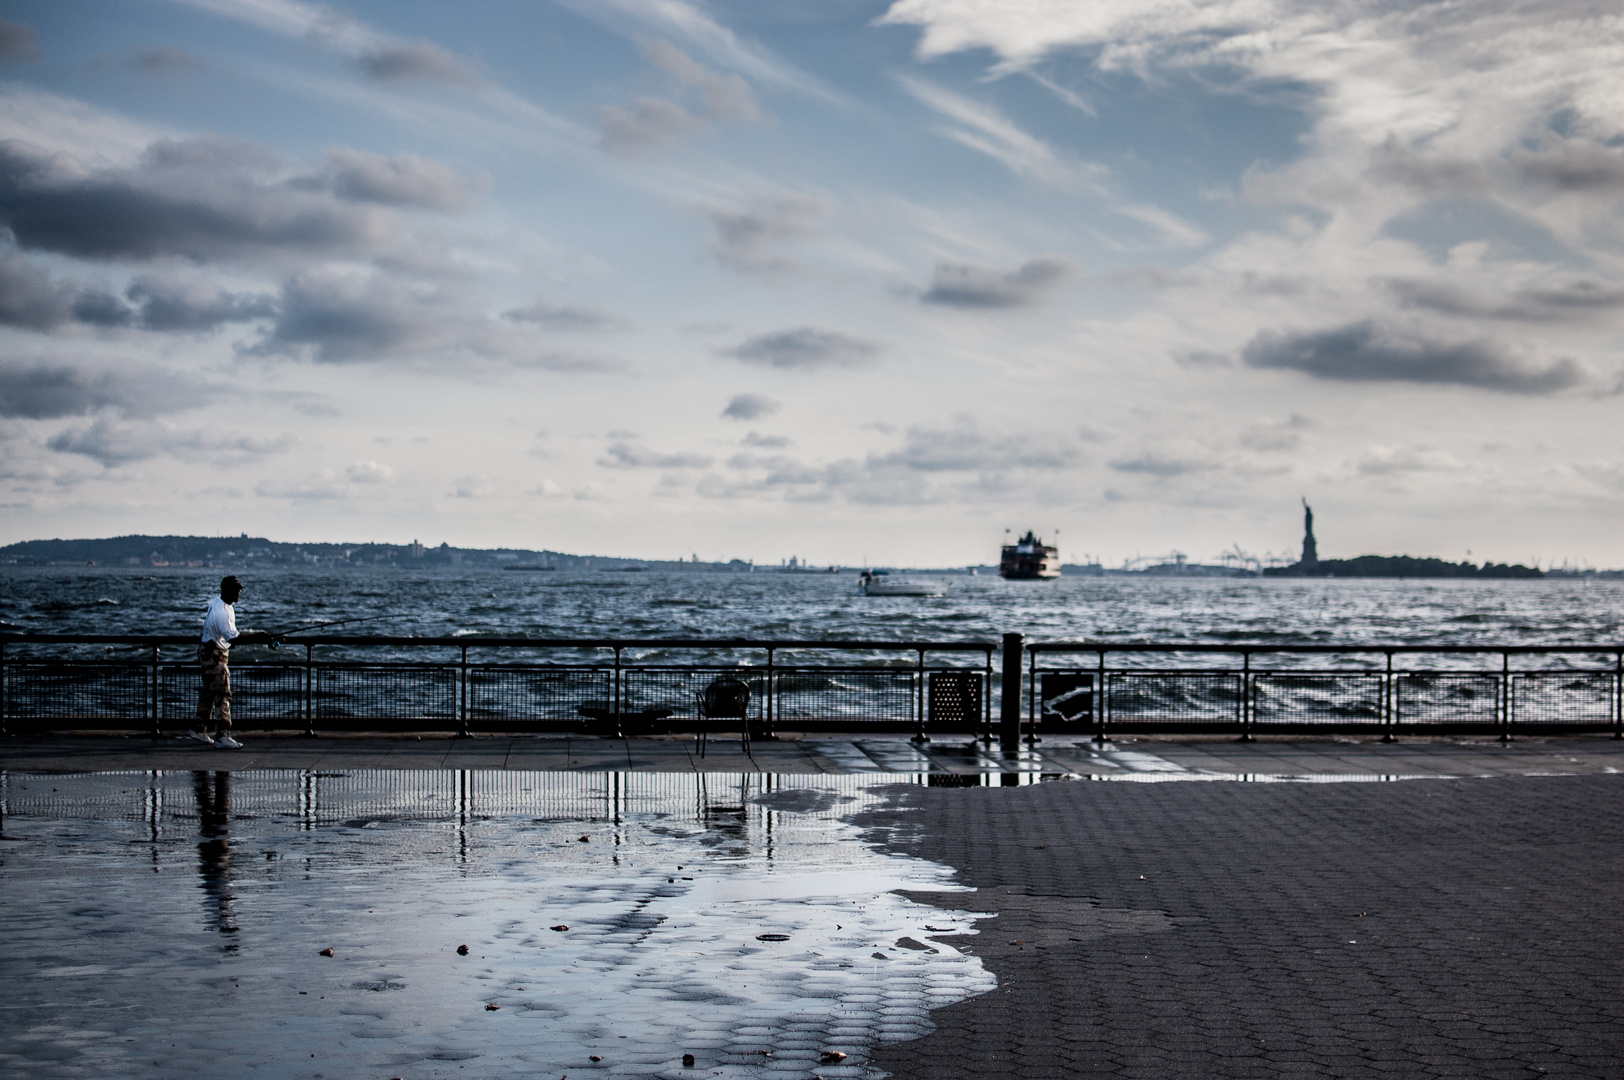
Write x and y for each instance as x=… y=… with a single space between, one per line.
x=1428 y=928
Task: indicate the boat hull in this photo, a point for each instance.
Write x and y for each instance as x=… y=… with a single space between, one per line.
x=877 y=584
x=898 y=590
x=1029 y=574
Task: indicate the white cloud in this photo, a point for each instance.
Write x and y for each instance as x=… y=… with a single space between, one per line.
x=984 y=129
x=369 y=472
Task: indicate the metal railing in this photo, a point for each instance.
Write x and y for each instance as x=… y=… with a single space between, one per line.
x=621 y=687
x=1255 y=689
x=467 y=685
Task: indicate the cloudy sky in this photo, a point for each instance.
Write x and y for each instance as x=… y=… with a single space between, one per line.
x=831 y=278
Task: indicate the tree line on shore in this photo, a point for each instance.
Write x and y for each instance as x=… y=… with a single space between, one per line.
x=1403 y=566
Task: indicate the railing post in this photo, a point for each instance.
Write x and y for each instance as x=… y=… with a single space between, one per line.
x=1009 y=716
x=919 y=737
x=1099 y=702
x=986 y=698
x=1388 y=702
x=1247 y=690
x=1033 y=705
x=310 y=690
x=461 y=699
x=1505 y=697
x=1618 y=695
x=771 y=702
x=157 y=716
x=5 y=690
x=615 y=730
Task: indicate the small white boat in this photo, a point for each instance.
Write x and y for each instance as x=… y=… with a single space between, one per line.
x=880 y=583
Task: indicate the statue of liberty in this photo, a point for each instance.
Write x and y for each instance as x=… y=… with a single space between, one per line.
x=1310 y=557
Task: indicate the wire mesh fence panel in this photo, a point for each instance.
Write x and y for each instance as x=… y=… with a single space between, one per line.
x=1171 y=700
x=77 y=692
x=954 y=702
x=500 y=695
x=1569 y=700
x=848 y=697
x=1066 y=701
x=266 y=696
x=1328 y=698
x=347 y=693
x=1435 y=700
x=675 y=692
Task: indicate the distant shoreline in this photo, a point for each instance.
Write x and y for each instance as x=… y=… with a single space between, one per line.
x=245 y=553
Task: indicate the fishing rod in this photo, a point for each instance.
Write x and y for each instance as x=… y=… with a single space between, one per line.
x=276 y=638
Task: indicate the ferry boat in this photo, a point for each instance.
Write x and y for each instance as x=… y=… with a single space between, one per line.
x=1029 y=559
x=880 y=583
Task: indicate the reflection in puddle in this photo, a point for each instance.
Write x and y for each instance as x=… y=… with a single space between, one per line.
x=182 y=920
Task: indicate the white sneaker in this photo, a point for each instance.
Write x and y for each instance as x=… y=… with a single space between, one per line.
x=226 y=742
x=200 y=736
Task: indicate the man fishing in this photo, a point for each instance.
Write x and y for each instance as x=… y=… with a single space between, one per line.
x=214 y=700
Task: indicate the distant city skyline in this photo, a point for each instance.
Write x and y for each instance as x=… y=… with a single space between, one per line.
x=850 y=280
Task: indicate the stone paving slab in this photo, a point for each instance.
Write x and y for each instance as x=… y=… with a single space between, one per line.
x=1436 y=928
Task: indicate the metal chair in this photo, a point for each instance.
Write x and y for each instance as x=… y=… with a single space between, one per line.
x=726 y=698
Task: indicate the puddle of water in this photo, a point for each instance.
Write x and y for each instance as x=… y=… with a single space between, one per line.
x=171 y=925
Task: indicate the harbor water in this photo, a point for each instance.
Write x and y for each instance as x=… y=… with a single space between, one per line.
x=770 y=604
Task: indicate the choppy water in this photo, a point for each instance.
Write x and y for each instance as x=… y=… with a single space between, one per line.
x=825 y=606
x=171 y=925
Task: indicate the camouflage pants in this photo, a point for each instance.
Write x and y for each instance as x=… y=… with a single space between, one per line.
x=215 y=698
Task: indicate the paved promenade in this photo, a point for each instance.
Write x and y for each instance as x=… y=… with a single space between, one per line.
x=1132 y=759
x=1466 y=922
x=1429 y=928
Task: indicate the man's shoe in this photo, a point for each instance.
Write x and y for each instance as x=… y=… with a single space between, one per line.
x=226 y=742
x=201 y=736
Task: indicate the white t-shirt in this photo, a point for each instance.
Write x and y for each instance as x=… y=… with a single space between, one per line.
x=220 y=624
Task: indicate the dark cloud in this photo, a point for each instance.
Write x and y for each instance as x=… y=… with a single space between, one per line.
x=162 y=60
x=49 y=389
x=336 y=318
x=964 y=447
x=402 y=180
x=622 y=455
x=423 y=61
x=963 y=286
x=746 y=239
x=98 y=308
x=29 y=298
x=750 y=407
x=1556 y=301
x=178 y=303
x=568 y=317
x=766 y=442
x=807 y=348
x=200 y=199
x=18 y=42
x=1364 y=352
x=1580 y=165
x=1156 y=463
x=650 y=124
x=112 y=443
x=1393 y=162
